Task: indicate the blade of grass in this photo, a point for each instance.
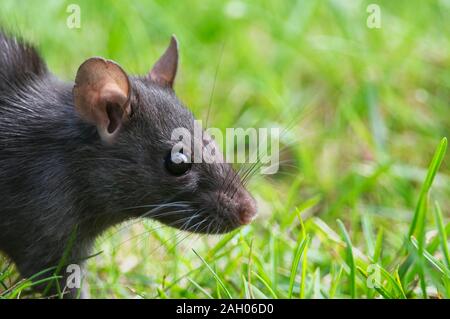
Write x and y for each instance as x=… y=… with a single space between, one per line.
x=432 y=170
x=219 y=281
x=207 y=294
x=297 y=255
x=399 y=283
x=350 y=259
x=250 y=267
x=246 y=288
x=442 y=233
x=303 y=275
x=316 y=290
x=274 y=295
x=335 y=282
x=299 y=215
x=378 y=246
x=378 y=287
x=421 y=223
x=392 y=280
x=439 y=266
x=226 y=239
x=368 y=234
x=258 y=293
x=419 y=218
x=62 y=262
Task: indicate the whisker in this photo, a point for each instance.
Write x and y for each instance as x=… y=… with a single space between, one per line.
x=147 y=232
x=214 y=84
x=140 y=220
x=189 y=234
x=158 y=205
x=178 y=232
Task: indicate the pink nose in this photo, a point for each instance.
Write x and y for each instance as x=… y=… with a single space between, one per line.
x=247 y=209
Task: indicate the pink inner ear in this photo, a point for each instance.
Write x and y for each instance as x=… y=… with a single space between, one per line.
x=101 y=96
x=116 y=105
x=115 y=114
x=112 y=93
x=165 y=69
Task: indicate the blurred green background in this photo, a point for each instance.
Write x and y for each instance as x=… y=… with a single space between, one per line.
x=366 y=109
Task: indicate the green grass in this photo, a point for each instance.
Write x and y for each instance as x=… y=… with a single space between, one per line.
x=368 y=110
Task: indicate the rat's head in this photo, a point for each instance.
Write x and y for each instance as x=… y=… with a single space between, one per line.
x=143 y=168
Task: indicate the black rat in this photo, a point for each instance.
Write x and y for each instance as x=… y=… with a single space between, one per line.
x=78 y=158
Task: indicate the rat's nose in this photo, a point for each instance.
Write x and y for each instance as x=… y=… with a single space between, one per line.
x=247 y=209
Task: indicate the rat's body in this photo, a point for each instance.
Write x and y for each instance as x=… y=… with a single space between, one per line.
x=62 y=173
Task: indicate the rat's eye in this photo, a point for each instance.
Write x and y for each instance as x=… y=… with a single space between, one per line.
x=177 y=163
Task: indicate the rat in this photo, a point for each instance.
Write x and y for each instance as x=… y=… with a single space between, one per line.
x=78 y=158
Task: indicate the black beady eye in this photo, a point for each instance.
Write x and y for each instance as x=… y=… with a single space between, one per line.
x=177 y=163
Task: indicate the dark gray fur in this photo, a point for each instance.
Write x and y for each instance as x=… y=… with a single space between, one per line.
x=56 y=176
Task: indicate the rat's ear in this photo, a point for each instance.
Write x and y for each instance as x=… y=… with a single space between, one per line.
x=165 y=69
x=102 y=96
